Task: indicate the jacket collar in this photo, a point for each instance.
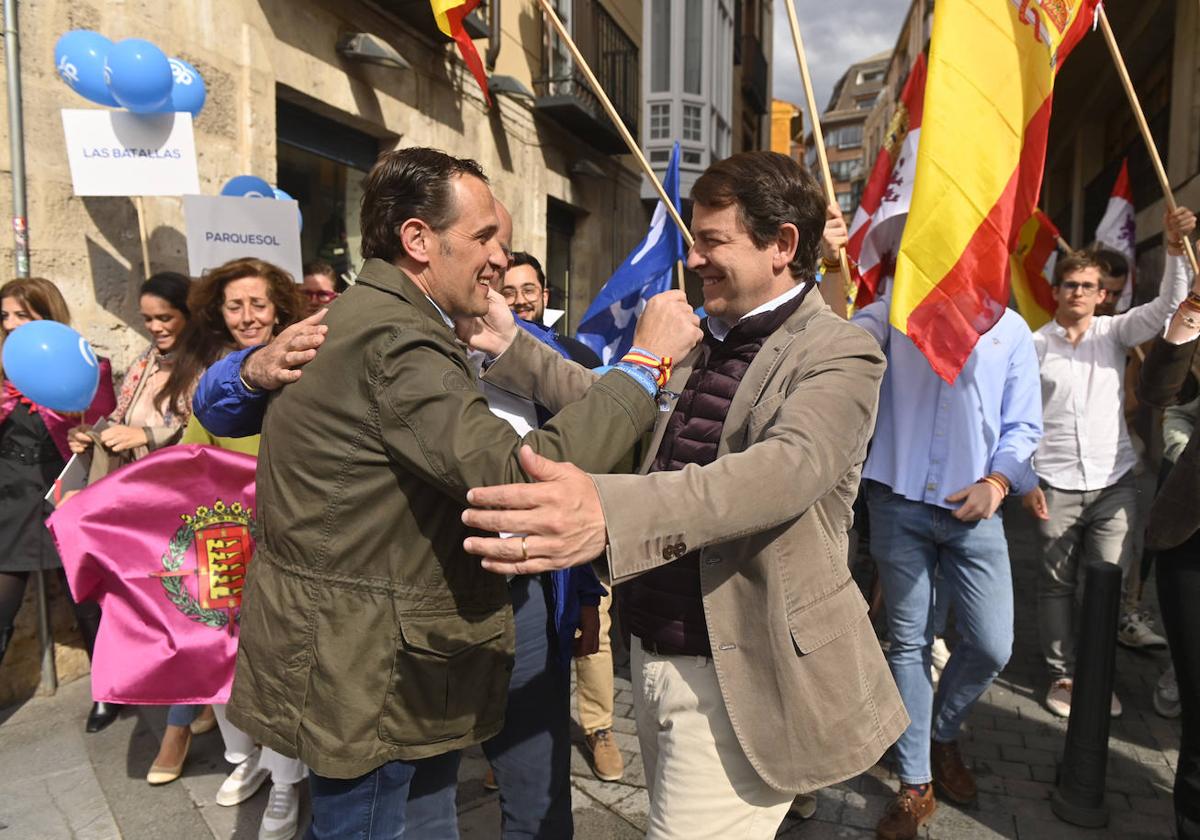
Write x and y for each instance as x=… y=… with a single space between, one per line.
x=382 y=275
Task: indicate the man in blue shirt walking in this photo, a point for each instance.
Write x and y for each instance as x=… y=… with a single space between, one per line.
x=941 y=462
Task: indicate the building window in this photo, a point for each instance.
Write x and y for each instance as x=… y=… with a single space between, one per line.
x=845 y=137
x=866 y=104
x=845 y=201
x=693 y=122
x=691 y=157
x=660 y=121
x=660 y=39
x=693 y=45
x=660 y=156
x=843 y=170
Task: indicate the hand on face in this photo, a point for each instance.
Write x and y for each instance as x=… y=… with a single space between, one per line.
x=560 y=515
x=668 y=326
x=836 y=234
x=491 y=333
x=279 y=362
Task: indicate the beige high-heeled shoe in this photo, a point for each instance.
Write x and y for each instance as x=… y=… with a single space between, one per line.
x=204 y=724
x=160 y=775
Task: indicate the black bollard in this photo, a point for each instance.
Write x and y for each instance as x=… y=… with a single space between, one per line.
x=1079 y=797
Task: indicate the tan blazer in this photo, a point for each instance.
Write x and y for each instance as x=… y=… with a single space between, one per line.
x=805 y=683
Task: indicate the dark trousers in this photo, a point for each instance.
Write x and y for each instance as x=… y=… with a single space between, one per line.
x=532 y=754
x=401 y=799
x=1178 y=599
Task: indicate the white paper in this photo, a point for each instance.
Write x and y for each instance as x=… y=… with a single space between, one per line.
x=222 y=228
x=119 y=153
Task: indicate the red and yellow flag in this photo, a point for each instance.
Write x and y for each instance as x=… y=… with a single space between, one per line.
x=979 y=166
x=1032 y=268
x=449 y=15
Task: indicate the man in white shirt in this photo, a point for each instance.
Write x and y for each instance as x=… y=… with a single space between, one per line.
x=1087 y=499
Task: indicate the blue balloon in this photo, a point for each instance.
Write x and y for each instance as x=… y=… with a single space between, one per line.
x=280 y=195
x=188 y=93
x=79 y=58
x=52 y=365
x=138 y=75
x=248 y=186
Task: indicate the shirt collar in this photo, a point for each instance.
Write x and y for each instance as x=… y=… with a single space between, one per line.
x=445 y=317
x=720 y=330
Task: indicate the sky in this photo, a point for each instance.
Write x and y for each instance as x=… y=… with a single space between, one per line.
x=835 y=35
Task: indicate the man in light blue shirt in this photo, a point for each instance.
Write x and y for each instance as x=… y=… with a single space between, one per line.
x=942 y=459
x=941 y=462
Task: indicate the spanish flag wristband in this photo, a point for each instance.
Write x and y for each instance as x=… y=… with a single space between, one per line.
x=659 y=365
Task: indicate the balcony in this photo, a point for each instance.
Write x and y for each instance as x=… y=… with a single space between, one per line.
x=754 y=74
x=419 y=15
x=563 y=93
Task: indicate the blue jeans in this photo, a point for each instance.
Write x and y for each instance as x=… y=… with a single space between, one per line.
x=417 y=796
x=182 y=715
x=911 y=542
x=532 y=754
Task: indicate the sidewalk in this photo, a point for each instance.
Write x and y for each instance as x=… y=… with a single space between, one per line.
x=60 y=783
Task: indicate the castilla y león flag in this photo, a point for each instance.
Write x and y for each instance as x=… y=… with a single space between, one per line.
x=163 y=545
x=992 y=65
x=878 y=223
x=449 y=15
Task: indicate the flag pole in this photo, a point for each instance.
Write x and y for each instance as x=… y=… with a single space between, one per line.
x=679 y=274
x=141 y=217
x=818 y=136
x=597 y=89
x=1138 y=114
x=1064 y=244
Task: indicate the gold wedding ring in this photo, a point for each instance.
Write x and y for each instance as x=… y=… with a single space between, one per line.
x=524 y=550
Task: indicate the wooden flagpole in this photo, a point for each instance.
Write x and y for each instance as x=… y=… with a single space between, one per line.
x=818 y=136
x=1138 y=114
x=1064 y=245
x=634 y=150
x=141 y=216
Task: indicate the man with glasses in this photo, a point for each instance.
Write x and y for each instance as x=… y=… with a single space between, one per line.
x=1086 y=503
x=526 y=293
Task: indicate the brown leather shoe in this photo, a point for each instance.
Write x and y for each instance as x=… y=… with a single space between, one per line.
x=905 y=814
x=952 y=778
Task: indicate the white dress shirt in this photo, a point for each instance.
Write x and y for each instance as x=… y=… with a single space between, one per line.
x=1086 y=445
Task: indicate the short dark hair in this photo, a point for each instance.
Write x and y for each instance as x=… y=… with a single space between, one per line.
x=322 y=268
x=1075 y=261
x=522 y=258
x=1112 y=263
x=770 y=190
x=406 y=184
x=171 y=286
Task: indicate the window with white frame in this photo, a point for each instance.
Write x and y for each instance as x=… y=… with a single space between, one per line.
x=693 y=122
x=660 y=121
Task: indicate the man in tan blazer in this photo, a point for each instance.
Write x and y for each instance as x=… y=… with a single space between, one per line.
x=756 y=672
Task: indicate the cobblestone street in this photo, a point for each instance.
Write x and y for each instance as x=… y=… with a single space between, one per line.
x=64 y=784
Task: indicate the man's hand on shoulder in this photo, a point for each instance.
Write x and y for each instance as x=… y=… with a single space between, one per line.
x=560 y=515
x=491 y=333
x=668 y=326
x=278 y=362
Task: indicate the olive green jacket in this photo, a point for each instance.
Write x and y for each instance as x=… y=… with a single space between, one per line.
x=367 y=633
x=804 y=682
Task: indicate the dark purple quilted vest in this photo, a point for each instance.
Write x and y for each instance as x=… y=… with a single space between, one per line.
x=664 y=606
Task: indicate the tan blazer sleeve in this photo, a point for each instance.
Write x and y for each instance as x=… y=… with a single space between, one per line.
x=530 y=369
x=808 y=437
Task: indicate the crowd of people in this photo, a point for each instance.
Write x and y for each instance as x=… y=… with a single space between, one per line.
x=450 y=494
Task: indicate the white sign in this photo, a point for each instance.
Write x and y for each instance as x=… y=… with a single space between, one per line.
x=221 y=228
x=119 y=153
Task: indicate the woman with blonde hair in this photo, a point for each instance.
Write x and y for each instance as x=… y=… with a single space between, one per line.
x=33 y=451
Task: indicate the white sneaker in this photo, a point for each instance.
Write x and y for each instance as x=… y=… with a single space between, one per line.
x=1137 y=631
x=242 y=783
x=1058 y=698
x=940 y=653
x=1166 y=695
x=282 y=815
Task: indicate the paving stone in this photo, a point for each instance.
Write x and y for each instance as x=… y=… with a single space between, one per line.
x=950 y=823
x=1026 y=789
x=1006 y=769
x=1026 y=755
x=864 y=811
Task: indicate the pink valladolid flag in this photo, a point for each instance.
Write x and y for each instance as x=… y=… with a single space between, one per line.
x=1118 y=230
x=163 y=545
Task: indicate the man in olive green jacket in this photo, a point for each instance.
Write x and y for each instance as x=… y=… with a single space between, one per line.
x=372 y=647
x=793 y=692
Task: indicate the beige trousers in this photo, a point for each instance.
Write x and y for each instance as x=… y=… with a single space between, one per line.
x=700 y=782
x=594 y=678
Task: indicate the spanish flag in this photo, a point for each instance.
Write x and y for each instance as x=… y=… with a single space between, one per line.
x=1033 y=267
x=449 y=15
x=992 y=65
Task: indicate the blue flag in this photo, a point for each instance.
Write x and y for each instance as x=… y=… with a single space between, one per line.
x=608 y=325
